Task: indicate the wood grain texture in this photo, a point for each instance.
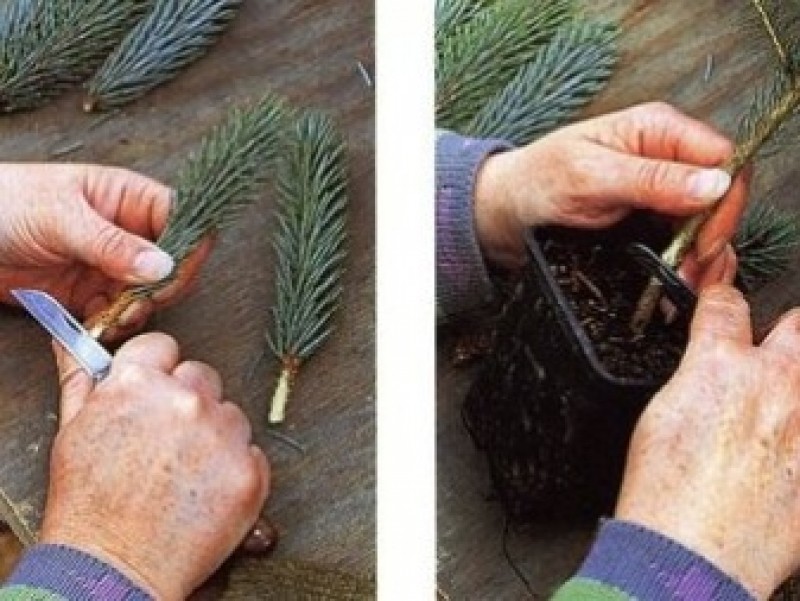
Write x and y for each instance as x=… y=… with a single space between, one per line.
x=666 y=45
x=322 y=501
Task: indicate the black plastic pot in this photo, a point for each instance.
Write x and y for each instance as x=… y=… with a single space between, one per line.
x=552 y=420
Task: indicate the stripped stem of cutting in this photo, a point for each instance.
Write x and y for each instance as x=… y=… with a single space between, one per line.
x=781 y=108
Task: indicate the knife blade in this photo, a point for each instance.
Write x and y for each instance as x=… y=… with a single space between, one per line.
x=54 y=318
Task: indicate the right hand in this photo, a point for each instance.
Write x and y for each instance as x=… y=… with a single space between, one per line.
x=151 y=471
x=714 y=462
x=593 y=173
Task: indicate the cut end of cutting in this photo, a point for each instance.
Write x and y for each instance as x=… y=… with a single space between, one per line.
x=278 y=410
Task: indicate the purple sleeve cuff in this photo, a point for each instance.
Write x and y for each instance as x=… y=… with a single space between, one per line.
x=73 y=575
x=646 y=565
x=462 y=280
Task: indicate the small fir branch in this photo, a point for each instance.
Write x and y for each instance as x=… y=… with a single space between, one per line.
x=172 y=35
x=482 y=55
x=16 y=15
x=451 y=14
x=59 y=45
x=773 y=107
x=777 y=23
x=766 y=243
x=309 y=247
x=217 y=183
x=563 y=76
x=780 y=47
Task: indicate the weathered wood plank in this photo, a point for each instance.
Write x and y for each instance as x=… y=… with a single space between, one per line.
x=322 y=502
x=666 y=48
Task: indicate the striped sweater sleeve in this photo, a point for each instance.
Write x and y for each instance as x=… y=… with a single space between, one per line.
x=462 y=280
x=60 y=573
x=629 y=562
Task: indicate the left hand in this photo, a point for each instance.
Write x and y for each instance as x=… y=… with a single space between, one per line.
x=593 y=173
x=83 y=233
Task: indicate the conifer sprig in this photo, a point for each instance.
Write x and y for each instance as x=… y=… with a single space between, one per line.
x=171 y=36
x=765 y=244
x=216 y=184
x=450 y=14
x=563 y=76
x=483 y=53
x=773 y=107
x=57 y=46
x=309 y=247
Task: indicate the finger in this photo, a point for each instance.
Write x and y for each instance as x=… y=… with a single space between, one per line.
x=721 y=314
x=238 y=425
x=134 y=202
x=663 y=186
x=154 y=350
x=187 y=274
x=659 y=131
x=724 y=222
x=119 y=254
x=722 y=270
x=200 y=378
x=74 y=382
x=785 y=336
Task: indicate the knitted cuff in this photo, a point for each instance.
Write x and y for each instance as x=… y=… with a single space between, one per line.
x=462 y=280
x=72 y=575
x=646 y=565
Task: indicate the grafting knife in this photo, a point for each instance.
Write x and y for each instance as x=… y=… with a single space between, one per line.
x=54 y=318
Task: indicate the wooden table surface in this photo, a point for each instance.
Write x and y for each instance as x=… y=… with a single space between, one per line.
x=666 y=47
x=323 y=499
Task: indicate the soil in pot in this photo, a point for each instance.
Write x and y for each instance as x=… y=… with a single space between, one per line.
x=602 y=285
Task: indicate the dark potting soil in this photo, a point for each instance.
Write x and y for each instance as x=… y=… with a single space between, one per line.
x=602 y=285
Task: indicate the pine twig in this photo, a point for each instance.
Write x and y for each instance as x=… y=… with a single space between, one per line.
x=769 y=113
x=766 y=20
x=451 y=14
x=765 y=244
x=216 y=184
x=564 y=75
x=309 y=246
x=55 y=44
x=174 y=34
x=484 y=53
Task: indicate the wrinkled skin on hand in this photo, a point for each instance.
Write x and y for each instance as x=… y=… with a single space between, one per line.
x=83 y=233
x=592 y=174
x=714 y=462
x=151 y=470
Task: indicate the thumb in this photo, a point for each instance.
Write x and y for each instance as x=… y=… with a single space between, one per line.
x=74 y=382
x=667 y=187
x=119 y=254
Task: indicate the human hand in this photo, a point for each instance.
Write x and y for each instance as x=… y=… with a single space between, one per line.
x=151 y=471
x=714 y=462
x=82 y=233
x=591 y=174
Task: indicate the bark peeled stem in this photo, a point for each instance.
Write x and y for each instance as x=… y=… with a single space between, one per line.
x=765 y=127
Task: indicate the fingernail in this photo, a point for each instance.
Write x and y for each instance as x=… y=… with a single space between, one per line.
x=709 y=185
x=153 y=265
